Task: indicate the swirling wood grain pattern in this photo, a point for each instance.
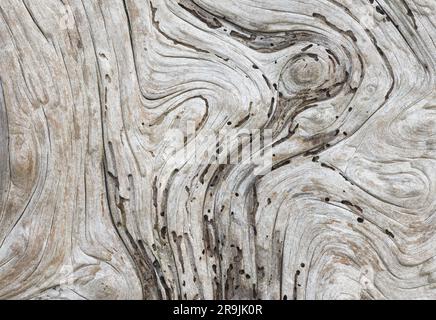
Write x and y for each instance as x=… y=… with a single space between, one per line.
x=95 y=202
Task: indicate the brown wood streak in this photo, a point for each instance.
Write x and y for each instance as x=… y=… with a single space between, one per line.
x=101 y=195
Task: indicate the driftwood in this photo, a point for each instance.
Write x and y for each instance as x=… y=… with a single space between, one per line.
x=217 y=149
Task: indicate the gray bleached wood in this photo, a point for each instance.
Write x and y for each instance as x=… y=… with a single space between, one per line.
x=96 y=201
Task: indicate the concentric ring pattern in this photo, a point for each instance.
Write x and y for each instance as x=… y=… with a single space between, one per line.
x=110 y=184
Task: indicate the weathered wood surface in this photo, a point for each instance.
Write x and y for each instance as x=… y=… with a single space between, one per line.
x=95 y=204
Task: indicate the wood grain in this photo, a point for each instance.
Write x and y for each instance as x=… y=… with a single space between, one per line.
x=110 y=188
